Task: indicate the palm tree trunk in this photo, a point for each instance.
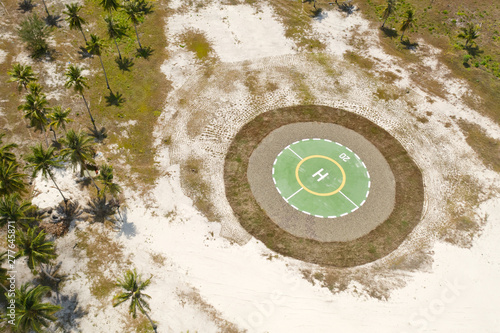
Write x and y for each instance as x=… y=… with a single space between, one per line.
x=138 y=41
x=119 y=54
x=45 y=135
x=149 y=318
x=402 y=35
x=105 y=76
x=47 y=274
x=4 y=288
x=53 y=132
x=90 y=114
x=91 y=178
x=46 y=10
x=384 y=21
x=54 y=181
x=85 y=38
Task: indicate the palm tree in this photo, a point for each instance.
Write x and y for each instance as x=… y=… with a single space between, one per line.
x=408 y=22
x=109 y=5
x=469 y=33
x=12 y=208
x=79 y=151
x=59 y=118
x=5 y=153
x=3 y=271
x=44 y=161
x=391 y=6
x=11 y=181
x=22 y=74
x=135 y=10
x=115 y=31
x=133 y=289
x=74 y=20
x=106 y=177
x=31 y=313
x=35 y=108
x=79 y=83
x=32 y=244
x=94 y=47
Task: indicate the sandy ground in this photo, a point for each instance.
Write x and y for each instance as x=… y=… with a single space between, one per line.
x=214 y=276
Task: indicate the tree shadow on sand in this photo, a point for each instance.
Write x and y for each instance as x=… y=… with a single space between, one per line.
x=409 y=45
x=124 y=63
x=124 y=226
x=71 y=313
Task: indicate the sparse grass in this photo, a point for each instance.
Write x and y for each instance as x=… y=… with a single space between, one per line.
x=462 y=228
x=193 y=296
x=197 y=188
x=385 y=94
x=487 y=148
x=158 y=258
x=378 y=243
x=103 y=253
x=140 y=324
x=296 y=18
x=359 y=60
x=439 y=24
x=301 y=87
x=423 y=120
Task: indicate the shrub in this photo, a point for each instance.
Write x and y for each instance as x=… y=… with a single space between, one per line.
x=34 y=33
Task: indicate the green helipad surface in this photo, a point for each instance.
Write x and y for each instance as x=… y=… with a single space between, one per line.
x=322 y=178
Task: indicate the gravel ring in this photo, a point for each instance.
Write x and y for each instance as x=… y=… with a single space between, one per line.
x=375 y=210
x=381 y=241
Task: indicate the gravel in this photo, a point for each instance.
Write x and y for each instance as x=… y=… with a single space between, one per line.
x=376 y=209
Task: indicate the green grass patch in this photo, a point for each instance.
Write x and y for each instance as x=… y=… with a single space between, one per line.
x=196 y=41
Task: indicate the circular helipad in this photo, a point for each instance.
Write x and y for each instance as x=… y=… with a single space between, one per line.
x=321 y=177
x=321 y=181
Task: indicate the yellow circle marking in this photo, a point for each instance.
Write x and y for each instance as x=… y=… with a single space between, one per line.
x=316 y=193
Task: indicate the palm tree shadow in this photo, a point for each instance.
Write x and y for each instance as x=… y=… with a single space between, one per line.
x=144 y=52
x=347 y=7
x=115 y=99
x=409 y=45
x=319 y=14
x=84 y=182
x=53 y=20
x=25 y=6
x=124 y=63
x=71 y=312
x=389 y=32
x=473 y=50
x=125 y=227
x=98 y=135
x=84 y=53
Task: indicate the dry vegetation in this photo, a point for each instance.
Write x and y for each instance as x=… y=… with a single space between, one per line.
x=378 y=243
